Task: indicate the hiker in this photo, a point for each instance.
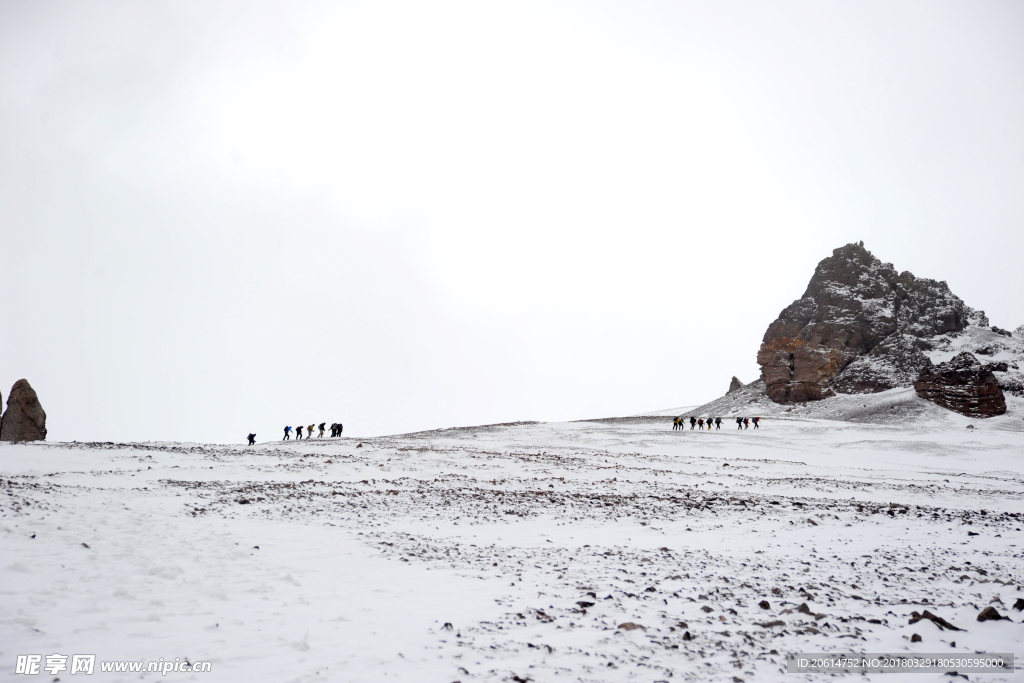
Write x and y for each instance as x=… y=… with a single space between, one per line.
x=700 y=423
x=718 y=423
x=739 y=423
x=693 y=421
x=746 y=423
x=756 y=420
x=341 y=428
x=287 y=433
x=298 y=432
x=321 y=430
x=252 y=439
x=309 y=431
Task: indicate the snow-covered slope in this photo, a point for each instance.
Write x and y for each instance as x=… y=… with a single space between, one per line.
x=327 y=560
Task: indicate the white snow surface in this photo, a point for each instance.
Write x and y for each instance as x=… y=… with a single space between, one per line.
x=535 y=541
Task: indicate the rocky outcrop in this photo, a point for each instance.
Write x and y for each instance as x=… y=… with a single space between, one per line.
x=734 y=385
x=25 y=419
x=963 y=385
x=859 y=328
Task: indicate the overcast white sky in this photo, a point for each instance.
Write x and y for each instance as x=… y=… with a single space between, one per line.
x=223 y=217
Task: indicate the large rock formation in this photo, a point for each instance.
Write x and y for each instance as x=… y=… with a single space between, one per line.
x=25 y=419
x=860 y=327
x=734 y=385
x=962 y=384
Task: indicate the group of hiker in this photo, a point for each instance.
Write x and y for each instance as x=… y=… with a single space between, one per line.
x=716 y=422
x=336 y=429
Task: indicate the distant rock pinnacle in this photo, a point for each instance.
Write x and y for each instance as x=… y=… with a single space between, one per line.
x=25 y=419
x=860 y=327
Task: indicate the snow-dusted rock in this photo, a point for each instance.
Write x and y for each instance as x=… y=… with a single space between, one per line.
x=734 y=385
x=861 y=327
x=964 y=385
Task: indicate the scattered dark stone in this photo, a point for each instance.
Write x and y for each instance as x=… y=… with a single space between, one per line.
x=962 y=385
x=764 y=604
x=804 y=609
x=243 y=501
x=707 y=608
x=770 y=624
x=85 y=545
x=914 y=638
x=1019 y=605
x=686 y=636
x=584 y=604
x=630 y=626
x=25 y=419
x=990 y=614
x=973 y=533
x=937 y=620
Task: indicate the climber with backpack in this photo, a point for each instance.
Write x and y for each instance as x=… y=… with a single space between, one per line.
x=287 y=433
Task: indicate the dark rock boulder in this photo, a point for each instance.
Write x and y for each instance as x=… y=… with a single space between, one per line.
x=963 y=385
x=734 y=385
x=25 y=419
x=856 y=308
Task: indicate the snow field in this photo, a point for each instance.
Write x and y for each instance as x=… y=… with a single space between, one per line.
x=536 y=542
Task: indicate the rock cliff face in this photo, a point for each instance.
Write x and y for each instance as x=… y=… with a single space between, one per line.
x=860 y=327
x=734 y=385
x=24 y=419
x=963 y=384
